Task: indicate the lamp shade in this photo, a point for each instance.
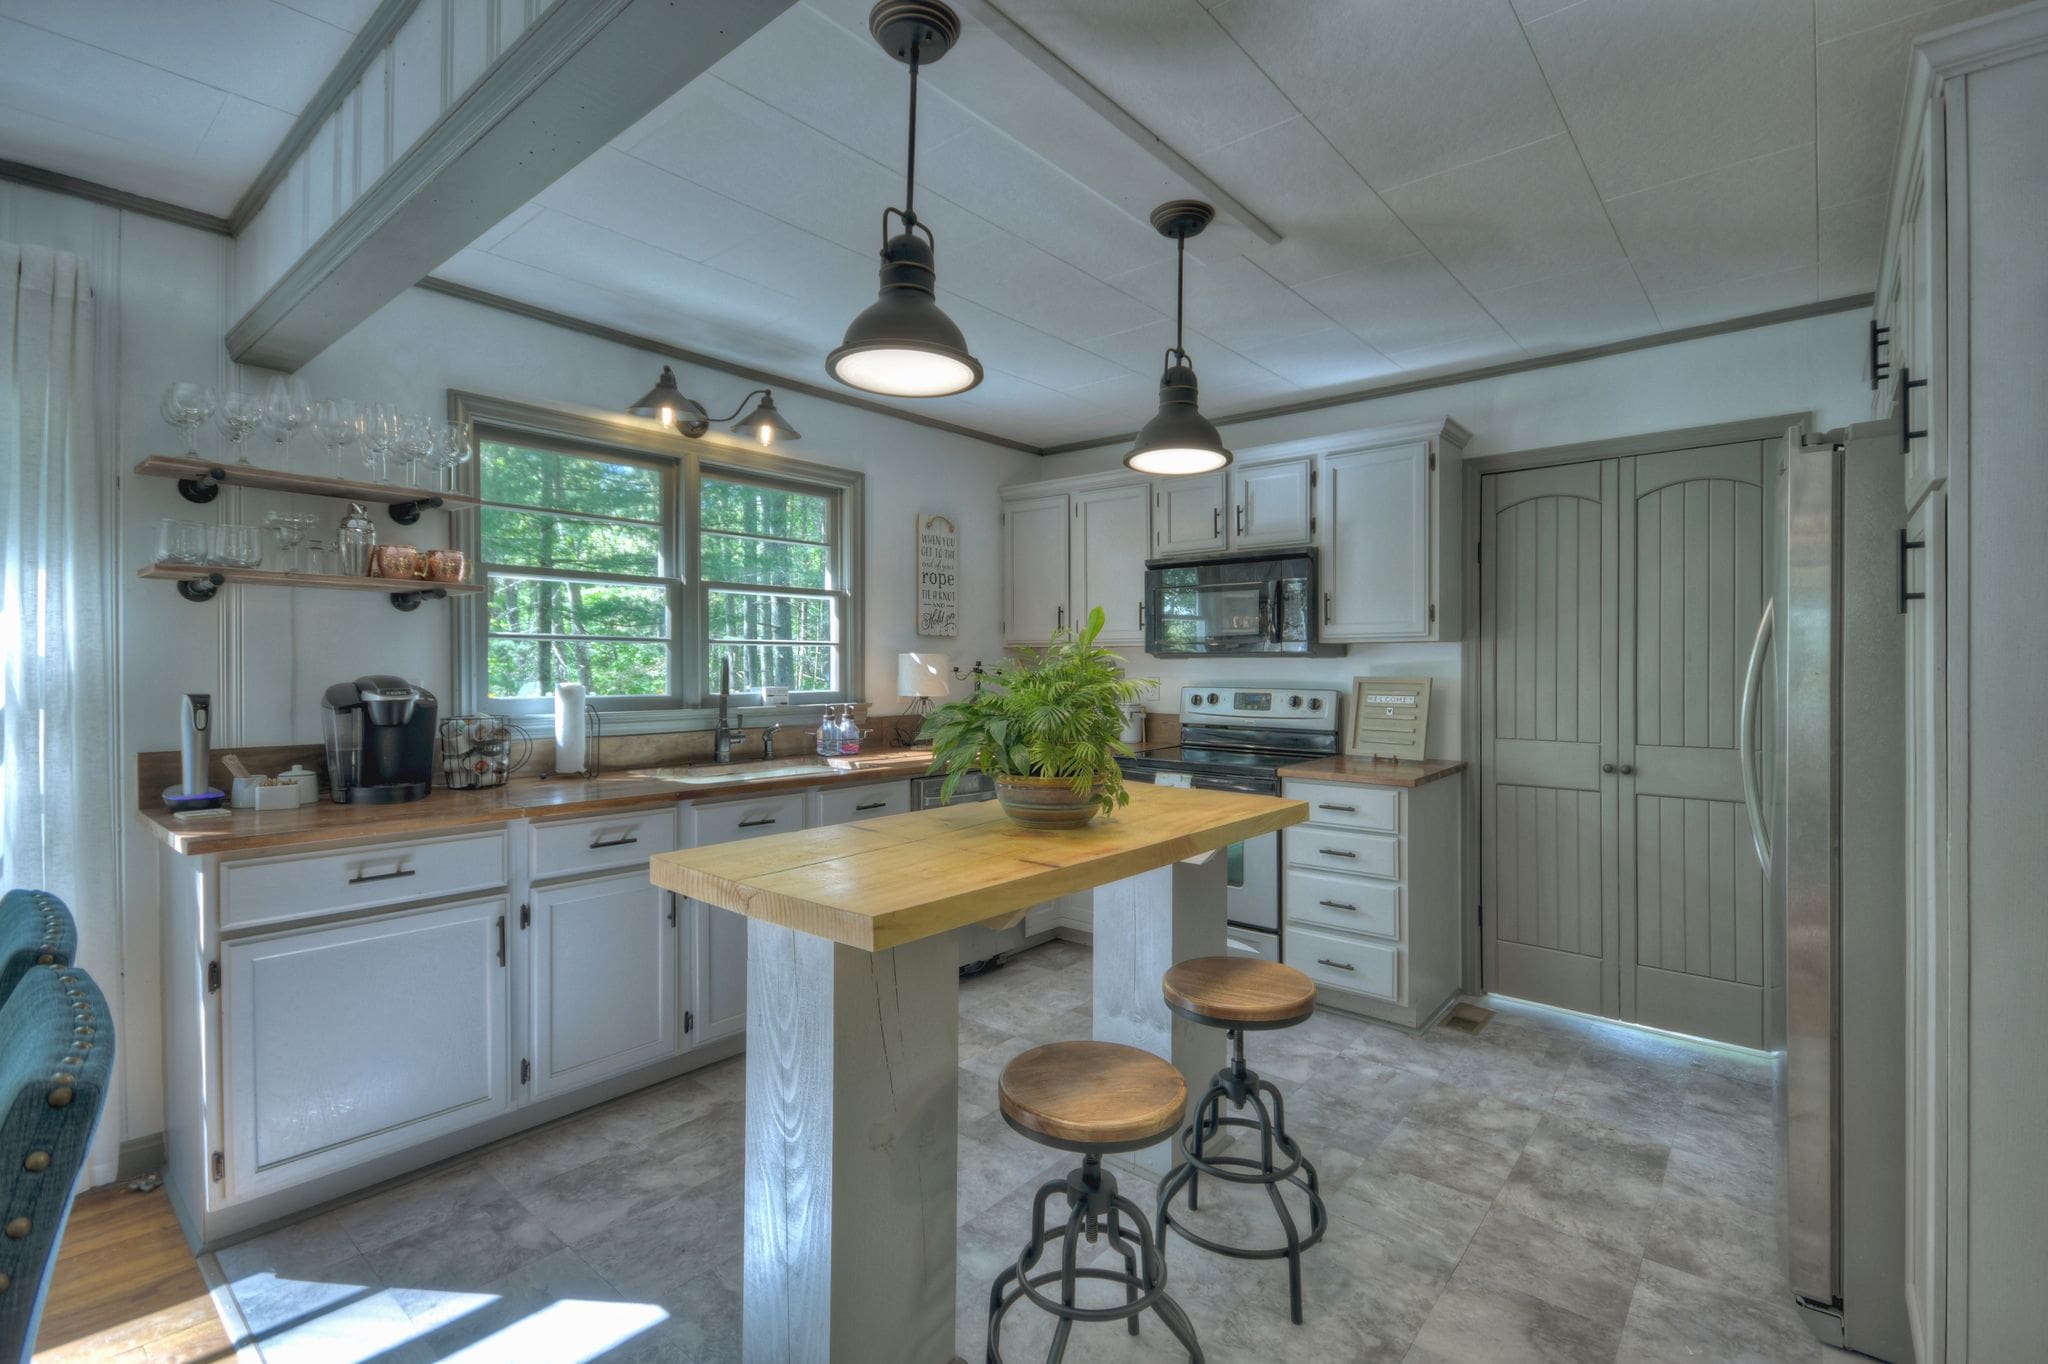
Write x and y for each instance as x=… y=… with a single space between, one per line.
x=765 y=424
x=666 y=404
x=903 y=344
x=1178 y=439
x=923 y=674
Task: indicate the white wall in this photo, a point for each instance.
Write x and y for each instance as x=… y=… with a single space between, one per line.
x=266 y=654
x=1811 y=366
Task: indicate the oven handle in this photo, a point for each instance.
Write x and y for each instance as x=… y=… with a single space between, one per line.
x=1273 y=628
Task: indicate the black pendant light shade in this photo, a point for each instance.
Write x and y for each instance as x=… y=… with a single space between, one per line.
x=765 y=424
x=1179 y=439
x=666 y=404
x=903 y=344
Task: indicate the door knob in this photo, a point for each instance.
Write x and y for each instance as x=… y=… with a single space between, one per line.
x=1606 y=767
x=1627 y=771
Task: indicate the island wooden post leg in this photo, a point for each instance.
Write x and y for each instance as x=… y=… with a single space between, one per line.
x=1143 y=925
x=852 y=1149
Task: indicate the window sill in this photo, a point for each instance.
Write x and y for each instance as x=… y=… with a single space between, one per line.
x=613 y=723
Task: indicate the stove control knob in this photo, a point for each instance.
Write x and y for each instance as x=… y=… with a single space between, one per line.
x=1195 y=700
x=1315 y=703
x=1294 y=703
x=1212 y=698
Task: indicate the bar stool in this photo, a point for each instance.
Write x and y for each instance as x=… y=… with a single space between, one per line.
x=1240 y=995
x=1093 y=1098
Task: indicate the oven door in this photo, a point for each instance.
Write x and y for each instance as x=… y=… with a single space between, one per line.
x=1252 y=875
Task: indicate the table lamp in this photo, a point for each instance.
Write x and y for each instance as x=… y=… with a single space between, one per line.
x=920 y=677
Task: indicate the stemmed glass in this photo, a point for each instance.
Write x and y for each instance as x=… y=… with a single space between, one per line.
x=189 y=405
x=336 y=423
x=290 y=530
x=380 y=436
x=286 y=410
x=416 y=443
x=238 y=415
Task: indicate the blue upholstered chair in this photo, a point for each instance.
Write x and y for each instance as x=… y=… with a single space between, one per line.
x=56 y=1058
x=35 y=930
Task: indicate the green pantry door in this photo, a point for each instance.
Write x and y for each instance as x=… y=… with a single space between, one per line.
x=1618 y=602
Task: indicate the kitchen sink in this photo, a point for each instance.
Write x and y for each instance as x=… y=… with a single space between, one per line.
x=712 y=774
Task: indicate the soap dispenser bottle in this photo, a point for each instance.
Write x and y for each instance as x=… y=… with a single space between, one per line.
x=849 y=733
x=828 y=735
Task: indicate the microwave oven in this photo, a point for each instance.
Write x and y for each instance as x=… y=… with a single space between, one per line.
x=1233 y=604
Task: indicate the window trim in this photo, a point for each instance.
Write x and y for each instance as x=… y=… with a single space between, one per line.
x=691 y=460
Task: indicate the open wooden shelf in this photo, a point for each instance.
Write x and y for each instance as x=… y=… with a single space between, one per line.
x=200 y=480
x=198 y=582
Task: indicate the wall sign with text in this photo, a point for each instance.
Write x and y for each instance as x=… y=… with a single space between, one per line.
x=938 y=576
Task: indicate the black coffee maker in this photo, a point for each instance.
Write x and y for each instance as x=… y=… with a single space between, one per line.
x=380 y=740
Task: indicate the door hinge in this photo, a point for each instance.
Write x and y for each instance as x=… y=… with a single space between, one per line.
x=525 y=1070
x=213 y=977
x=220 y=1167
x=689 y=1021
x=526 y=916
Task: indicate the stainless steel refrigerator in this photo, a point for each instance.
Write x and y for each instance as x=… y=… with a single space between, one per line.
x=1823 y=777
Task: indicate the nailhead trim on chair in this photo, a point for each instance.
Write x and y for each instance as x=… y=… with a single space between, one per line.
x=18 y=1228
x=37 y=1162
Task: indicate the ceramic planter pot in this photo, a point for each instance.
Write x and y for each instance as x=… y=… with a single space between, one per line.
x=1046 y=802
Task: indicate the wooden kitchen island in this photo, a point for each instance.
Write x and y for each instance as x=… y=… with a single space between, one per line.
x=853 y=1018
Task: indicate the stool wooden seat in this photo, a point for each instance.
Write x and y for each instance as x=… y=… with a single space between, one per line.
x=1093 y=1095
x=1240 y=991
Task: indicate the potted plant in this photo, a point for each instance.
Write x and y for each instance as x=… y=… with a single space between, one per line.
x=1045 y=728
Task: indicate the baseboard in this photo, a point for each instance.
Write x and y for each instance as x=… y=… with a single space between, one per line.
x=140 y=1156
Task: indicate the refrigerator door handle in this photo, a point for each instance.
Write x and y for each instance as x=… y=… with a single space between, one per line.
x=1746 y=745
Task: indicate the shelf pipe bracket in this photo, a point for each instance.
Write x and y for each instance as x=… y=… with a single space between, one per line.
x=203 y=489
x=410 y=601
x=201 y=588
x=405 y=513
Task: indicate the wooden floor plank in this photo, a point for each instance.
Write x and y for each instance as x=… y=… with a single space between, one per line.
x=127 y=1288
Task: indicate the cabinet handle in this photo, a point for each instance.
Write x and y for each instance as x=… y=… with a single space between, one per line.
x=756 y=823
x=613 y=842
x=1627 y=770
x=1240 y=518
x=1059 y=619
x=1326 y=608
x=1141 y=614
x=361 y=880
x=1905 y=546
x=1340 y=965
x=1337 y=904
x=1907 y=434
x=501 y=940
x=1341 y=809
x=671 y=911
x=1217 y=530
x=873 y=805
x=1335 y=852
x=1607 y=767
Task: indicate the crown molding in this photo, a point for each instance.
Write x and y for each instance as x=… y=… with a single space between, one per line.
x=92 y=190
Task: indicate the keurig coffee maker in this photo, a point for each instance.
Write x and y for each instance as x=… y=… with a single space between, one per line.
x=380 y=740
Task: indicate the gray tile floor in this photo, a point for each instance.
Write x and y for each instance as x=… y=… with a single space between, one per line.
x=1553 y=1188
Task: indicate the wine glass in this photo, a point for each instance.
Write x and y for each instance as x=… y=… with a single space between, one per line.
x=189 y=405
x=239 y=414
x=290 y=530
x=415 y=444
x=337 y=425
x=380 y=437
x=286 y=410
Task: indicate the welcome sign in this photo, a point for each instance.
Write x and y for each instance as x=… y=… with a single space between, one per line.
x=938 y=576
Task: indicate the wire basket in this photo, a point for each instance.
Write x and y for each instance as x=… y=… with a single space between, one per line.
x=481 y=750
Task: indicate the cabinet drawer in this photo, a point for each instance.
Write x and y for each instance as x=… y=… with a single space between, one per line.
x=838 y=804
x=727 y=820
x=1345 y=963
x=1341 y=850
x=270 y=890
x=625 y=839
x=1344 y=806
x=1350 y=903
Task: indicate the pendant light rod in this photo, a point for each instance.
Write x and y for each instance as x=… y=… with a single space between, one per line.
x=910 y=154
x=1180 y=293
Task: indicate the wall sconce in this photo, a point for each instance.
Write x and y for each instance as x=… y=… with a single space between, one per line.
x=668 y=405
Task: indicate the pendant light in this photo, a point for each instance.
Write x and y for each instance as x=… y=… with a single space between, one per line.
x=1179 y=439
x=903 y=344
x=667 y=404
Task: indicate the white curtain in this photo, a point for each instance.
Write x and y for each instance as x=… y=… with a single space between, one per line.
x=56 y=711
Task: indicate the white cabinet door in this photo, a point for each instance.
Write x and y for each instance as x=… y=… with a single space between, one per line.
x=606 y=979
x=1187 y=514
x=1035 y=535
x=1376 y=544
x=1111 y=529
x=358 y=1039
x=718 y=937
x=1271 y=503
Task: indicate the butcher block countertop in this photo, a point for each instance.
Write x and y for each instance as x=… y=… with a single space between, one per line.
x=879 y=883
x=1373 y=771
x=308 y=826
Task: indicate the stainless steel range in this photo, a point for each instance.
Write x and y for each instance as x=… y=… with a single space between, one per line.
x=1237 y=738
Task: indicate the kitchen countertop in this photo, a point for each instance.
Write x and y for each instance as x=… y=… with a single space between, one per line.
x=1373 y=771
x=532 y=798
x=878 y=883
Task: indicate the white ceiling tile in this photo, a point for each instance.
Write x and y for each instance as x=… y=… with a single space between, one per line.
x=511 y=223
x=1402 y=89
x=1019 y=350
x=1400 y=305
x=1737 y=298
x=1294 y=179
x=66 y=81
x=1512 y=218
x=1862 y=91
x=261 y=51
x=649 y=203
x=1838 y=18
x=1329 y=358
x=346 y=15
x=28 y=137
x=1002 y=271
x=1585 y=308
x=1142 y=351
x=1165 y=61
x=1659 y=91
x=1488 y=347
x=1247 y=309
x=830 y=281
x=1851 y=240
x=1529 y=11
x=997 y=178
x=1737 y=222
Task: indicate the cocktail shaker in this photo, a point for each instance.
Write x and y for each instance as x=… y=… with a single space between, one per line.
x=353 y=541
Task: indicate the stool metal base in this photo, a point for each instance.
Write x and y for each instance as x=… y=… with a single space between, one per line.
x=1279 y=1161
x=1094 y=1207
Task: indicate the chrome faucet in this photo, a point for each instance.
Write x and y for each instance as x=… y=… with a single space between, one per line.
x=722 y=737
x=768 y=740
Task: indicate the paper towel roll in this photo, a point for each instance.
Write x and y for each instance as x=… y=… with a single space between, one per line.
x=570 y=738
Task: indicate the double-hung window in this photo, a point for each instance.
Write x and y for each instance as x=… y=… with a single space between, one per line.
x=639 y=564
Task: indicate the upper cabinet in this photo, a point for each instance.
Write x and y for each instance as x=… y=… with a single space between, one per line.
x=1390 y=536
x=1273 y=503
x=1110 y=528
x=1187 y=515
x=1035 y=530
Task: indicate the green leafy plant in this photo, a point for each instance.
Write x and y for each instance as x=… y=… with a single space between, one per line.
x=1052 y=713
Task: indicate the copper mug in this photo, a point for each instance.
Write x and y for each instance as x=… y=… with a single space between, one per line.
x=397 y=561
x=447 y=565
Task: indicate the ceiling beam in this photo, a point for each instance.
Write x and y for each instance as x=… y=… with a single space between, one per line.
x=582 y=74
